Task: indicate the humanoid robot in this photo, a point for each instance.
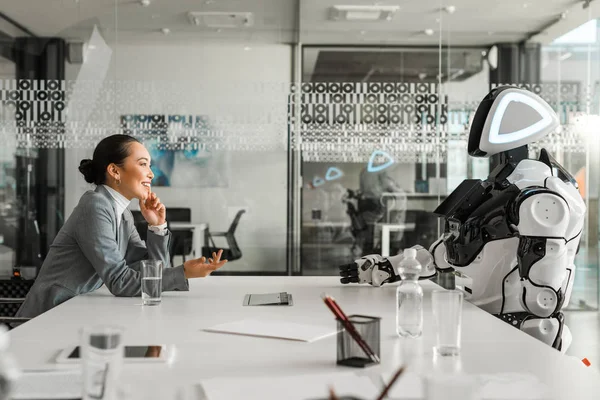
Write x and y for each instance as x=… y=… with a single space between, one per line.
x=512 y=237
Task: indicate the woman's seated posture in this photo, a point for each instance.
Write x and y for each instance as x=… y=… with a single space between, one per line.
x=99 y=243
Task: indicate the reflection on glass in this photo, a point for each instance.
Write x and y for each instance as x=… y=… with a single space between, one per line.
x=375 y=164
x=333 y=173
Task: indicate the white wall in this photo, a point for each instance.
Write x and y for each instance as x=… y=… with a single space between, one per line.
x=244 y=94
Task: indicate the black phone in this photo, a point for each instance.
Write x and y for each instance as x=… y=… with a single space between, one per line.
x=130 y=352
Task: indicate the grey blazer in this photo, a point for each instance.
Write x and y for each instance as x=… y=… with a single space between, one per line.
x=90 y=250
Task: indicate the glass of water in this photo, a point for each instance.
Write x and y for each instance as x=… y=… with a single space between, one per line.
x=151 y=282
x=447 y=320
x=102 y=357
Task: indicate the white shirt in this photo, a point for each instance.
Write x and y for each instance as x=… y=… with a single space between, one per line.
x=121 y=203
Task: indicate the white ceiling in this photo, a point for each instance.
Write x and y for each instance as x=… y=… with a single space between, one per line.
x=475 y=22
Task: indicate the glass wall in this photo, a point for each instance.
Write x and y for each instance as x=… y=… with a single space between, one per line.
x=571 y=63
x=203 y=85
x=389 y=101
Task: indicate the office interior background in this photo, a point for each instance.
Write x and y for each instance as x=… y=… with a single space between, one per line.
x=285 y=109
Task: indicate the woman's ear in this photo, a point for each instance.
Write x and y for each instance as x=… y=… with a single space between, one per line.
x=113 y=171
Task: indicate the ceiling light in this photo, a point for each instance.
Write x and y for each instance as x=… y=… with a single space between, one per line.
x=492 y=57
x=525 y=5
x=422 y=75
x=456 y=74
x=450 y=9
x=145 y=3
x=362 y=13
x=215 y=19
x=428 y=32
x=565 y=56
x=165 y=31
x=247 y=48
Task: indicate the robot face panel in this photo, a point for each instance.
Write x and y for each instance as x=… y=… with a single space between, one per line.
x=507 y=118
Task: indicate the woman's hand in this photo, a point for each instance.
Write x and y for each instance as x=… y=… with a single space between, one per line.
x=153 y=210
x=199 y=268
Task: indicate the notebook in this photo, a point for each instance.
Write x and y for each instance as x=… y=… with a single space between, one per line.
x=275 y=329
x=305 y=387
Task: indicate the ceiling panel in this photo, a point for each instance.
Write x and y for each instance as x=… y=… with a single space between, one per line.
x=475 y=22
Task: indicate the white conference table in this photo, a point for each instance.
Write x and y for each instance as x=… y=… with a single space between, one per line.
x=198 y=234
x=489 y=345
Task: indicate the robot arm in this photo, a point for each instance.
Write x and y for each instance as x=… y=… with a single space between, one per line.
x=542 y=218
x=377 y=270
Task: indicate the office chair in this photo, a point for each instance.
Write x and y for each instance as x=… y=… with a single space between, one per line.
x=140 y=224
x=12 y=295
x=229 y=254
x=182 y=238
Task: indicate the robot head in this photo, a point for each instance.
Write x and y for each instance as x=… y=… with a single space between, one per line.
x=507 y=118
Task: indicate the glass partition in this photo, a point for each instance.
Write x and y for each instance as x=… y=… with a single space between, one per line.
x=188 y=80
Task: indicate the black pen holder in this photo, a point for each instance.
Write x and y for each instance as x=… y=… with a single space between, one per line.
x=349 y=352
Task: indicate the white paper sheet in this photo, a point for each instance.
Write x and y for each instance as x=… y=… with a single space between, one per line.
x=275 y=329
x=502 y=386
x=299 y=387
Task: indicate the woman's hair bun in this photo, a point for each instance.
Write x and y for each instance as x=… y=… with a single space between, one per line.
x=87 y=168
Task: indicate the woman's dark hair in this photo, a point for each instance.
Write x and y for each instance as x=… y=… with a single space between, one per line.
x=112 y=149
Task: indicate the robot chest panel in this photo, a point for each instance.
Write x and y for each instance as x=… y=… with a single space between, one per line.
x=486 y=222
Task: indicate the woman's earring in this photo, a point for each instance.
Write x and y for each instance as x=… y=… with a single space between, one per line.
x=118 y=182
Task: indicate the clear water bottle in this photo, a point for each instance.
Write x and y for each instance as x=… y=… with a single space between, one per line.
x=409 y=297
x=9 y=372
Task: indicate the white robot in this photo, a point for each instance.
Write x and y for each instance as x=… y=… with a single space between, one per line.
x=512 y=238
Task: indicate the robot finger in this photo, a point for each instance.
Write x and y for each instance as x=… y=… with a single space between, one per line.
x=349 y=273
x=349 y=280
x=348 y=267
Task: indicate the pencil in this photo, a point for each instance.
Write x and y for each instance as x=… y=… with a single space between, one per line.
x=391 y=383
x=332 y=395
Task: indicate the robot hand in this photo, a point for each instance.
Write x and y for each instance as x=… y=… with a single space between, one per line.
x=377 y=270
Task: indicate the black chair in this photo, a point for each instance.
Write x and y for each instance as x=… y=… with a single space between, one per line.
x=229 y=254
x=140 y=224
x=183 y=239
x=12 y=295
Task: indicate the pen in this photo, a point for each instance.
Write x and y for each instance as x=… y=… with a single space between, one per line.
x=391 y=383
x=339 y=314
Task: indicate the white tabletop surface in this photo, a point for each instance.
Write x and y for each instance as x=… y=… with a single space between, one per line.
x=489 y=345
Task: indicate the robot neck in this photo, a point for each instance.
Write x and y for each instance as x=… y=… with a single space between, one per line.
x=512 y=157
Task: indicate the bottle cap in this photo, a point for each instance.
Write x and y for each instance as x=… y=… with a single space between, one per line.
x=410 y=253
x=586 y=362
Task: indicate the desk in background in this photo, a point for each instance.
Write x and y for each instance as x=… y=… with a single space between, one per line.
x=198 y=238
x=385 y=234
x=489 y=344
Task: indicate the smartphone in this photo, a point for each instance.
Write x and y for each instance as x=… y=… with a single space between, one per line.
x=143 y=354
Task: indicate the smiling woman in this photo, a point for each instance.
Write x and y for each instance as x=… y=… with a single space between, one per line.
x=99 y=244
